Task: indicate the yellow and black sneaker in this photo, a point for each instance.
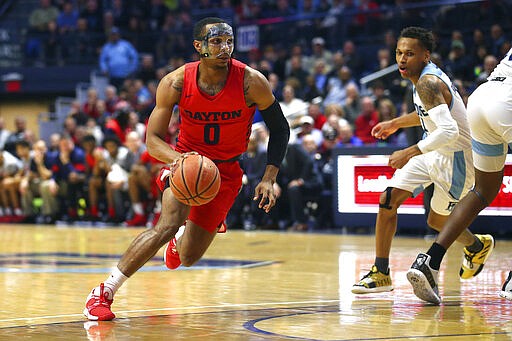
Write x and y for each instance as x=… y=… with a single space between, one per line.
x=374 y=281
x=473 y=263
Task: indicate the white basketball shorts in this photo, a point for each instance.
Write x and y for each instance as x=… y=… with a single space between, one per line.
x=490 y=120
x=452 y=175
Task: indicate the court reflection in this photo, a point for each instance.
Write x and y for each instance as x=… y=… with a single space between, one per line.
x=250 y=286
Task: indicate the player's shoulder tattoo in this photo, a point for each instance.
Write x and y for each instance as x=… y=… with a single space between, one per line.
x=248 y=80
x=173 y=82
x=430 y=90
x=250 y=85
x=177 y=81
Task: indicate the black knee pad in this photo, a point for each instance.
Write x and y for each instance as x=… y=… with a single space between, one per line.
x=480 y=196
x=388 y=199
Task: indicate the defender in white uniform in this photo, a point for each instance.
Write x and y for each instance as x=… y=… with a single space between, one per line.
x=443 y=157
x=490 y=119
x=446 y=151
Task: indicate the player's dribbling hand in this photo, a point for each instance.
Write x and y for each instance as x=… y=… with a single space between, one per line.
x=264 y=191
x=182 y=156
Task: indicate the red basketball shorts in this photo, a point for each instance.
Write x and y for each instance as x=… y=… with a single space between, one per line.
x=209 y=216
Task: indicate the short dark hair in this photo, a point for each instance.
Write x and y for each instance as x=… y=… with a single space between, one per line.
x=111 y=138
x=23 y=143
x=88 y=138
x=199 y=26
x=424 y=36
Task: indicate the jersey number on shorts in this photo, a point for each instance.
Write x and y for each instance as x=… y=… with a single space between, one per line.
x=451 y=205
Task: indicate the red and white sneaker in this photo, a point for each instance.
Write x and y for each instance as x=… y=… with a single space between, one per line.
x=97 y=305
x=171 y=257
x=162 y=176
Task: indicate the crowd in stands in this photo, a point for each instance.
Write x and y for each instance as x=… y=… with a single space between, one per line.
x=98 y=168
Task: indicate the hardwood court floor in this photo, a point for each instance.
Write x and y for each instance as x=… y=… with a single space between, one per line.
x=250 y=286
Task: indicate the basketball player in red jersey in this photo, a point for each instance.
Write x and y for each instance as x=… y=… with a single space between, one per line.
x=217 y=97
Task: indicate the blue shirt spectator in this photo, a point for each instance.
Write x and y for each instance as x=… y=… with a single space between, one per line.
x=118 y=58
x=68 y=18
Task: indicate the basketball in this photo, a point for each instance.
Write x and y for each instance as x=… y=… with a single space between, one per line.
x=196 y=180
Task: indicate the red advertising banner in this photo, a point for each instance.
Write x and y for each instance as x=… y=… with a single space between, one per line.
x=371 y=180
x=362 y=178
x=504 y=197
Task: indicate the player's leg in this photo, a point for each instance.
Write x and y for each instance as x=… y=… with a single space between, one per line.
x=142 y=248
x=193 y=243
x=424 y=272
x=386 y=223
x=491 y=132
x=477 y=247
x=490 y=123
x=379 y=279
x=205 y=220
x=146 y=244
x=437 y=221
x=409 y=180
x=487 y=186
x=454 y=178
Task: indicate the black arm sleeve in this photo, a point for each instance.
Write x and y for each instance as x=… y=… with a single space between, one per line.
x=279 y=132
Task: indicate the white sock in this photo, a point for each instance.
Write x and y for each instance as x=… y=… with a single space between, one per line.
x=180 y=232
x=1 y=211
x=137 y=208
x=115 y=280
x=7 y=211
x=18 y=211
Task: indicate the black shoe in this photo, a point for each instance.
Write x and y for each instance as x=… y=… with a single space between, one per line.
x=424 y=279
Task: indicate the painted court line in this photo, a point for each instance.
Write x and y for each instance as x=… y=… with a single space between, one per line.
x=236 y=305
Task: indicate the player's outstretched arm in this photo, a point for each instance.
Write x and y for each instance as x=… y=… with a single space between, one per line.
x=167 y=96
x=384 y=129
x=257 y=91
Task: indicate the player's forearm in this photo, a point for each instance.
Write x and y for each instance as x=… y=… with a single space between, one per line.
x=408 y=120
x=160 y=150
x=270 y=174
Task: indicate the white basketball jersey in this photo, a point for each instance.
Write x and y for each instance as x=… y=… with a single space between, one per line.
x=504 y=68
x=457 y=110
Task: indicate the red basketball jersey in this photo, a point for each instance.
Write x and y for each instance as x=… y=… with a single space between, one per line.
x=219 y=126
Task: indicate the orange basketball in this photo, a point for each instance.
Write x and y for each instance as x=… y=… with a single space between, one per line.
x=196 y=180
